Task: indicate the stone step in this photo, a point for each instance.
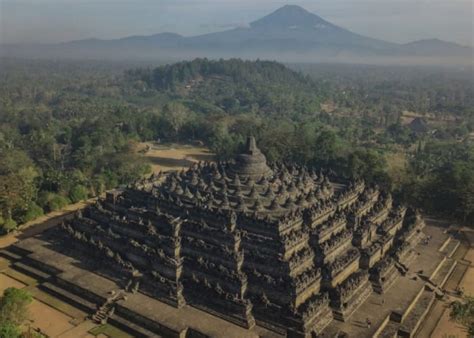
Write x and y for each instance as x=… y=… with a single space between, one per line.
x=68 y=297
x=132 y=328
x=390 y=330
x=39 y=265
x=89 y=307
x=456 y=276
x=416 y=315
x=99 y=316
x=18 y=251
x=31 y=271
x=356 y=300
x=401 y=267
x=19 y=276
x=409 y=258
x=450 y=248
x=462 y=251
x=444 y=271
x=412 y=320
x=383 y=287
x=445 y=244
x=11 y=256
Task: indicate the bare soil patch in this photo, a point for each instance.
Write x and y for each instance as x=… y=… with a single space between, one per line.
x=8 y=282
x=467 y=283
x=50 y=321
x=166 y=157
x=470 y=256
x=446 y=328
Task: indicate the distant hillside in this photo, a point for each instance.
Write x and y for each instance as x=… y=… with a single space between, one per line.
x=234 y=86
x=435 y=47
x=289 y=34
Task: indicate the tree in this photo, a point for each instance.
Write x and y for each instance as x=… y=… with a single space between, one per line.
x=327 y=147
x=33 y=211
x=14 y=308
x=17 y=183
x=369 y=165
x=175 y=115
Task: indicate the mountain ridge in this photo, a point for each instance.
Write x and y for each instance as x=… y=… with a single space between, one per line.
x=286 y=34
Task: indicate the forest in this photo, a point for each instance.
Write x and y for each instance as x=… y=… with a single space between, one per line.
x=68 y=129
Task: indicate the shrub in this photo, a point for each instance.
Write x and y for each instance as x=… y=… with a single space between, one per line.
x=10 y=330
x=8 y=225
x=51 y=201
x=78 y=193
x=57 y=202
x=34 y=211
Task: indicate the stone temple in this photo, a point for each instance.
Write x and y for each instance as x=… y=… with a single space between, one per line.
x=280 y=247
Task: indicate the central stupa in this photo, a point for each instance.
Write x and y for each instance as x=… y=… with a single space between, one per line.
x=251 y=162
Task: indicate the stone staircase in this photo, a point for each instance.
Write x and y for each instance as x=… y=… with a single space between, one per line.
x=103 y=313
x=450 y=247
x=402 y=268
x=11 y=256
x=435 y=288
x=108 y=308
x=443 y=272
x=88 y=306
x=405 y=324
x=408 y=323
x=416 y=314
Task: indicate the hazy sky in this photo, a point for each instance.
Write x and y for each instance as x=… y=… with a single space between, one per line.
x=27 y=21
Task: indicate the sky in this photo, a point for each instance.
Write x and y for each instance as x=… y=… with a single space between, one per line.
x=47 y=21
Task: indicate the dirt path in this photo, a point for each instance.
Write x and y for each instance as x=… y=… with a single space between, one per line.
x=42 y=223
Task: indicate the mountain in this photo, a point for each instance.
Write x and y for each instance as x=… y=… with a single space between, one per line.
x=288 y=34
x=161 y=39
x=288 y=28
x=435 y=47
